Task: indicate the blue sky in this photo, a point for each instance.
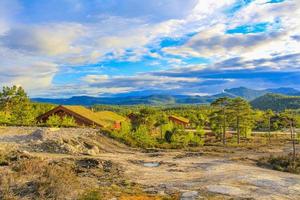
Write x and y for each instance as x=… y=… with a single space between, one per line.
x=62 y=48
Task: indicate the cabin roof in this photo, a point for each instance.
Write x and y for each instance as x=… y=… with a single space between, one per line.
x=88 y=114
x=182 y=119
x=110 y=116
x=103 y=118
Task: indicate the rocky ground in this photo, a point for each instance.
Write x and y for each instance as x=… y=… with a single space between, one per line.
x=208 y=173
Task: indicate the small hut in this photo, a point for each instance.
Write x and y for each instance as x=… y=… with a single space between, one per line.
x=179 y=120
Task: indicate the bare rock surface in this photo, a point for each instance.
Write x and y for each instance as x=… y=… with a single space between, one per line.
x=191 y=174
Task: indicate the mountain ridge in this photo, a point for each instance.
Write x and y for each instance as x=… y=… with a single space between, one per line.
x=168 y=99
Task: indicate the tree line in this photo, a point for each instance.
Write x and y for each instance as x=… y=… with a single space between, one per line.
x=150 y=127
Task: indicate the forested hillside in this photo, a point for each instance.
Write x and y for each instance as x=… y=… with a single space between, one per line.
x=276 y=102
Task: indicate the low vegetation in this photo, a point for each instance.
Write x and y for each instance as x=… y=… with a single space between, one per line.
x=282 y=163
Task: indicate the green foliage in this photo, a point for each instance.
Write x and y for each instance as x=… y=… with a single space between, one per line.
x=15 y=102
x=57 y=121
x=16 y=108
x=142 y=137
x=68 y=122
x=276 y=102
x=4 y=118
x=184 y=138
x=54 y=121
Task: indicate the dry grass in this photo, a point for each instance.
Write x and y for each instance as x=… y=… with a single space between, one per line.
x=33 y=178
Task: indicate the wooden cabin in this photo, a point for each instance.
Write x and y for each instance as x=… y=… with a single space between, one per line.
x=86 y=117
x=179 y=120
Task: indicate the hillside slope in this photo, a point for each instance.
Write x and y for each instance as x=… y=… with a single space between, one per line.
x=276 y=102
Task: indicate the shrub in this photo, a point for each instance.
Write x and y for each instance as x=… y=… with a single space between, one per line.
x=67 y=121
x=142 y=137
x=281 y=163
x=4 y=118
x=54 y=121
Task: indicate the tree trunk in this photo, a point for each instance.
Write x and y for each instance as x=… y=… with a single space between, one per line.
x=238 y=130
x=293 y=143
x=224 y=127
x=269 y=133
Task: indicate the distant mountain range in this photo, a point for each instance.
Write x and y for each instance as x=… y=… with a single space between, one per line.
x=168 y=99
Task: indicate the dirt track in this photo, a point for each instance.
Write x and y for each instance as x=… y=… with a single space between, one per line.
x=177 y=170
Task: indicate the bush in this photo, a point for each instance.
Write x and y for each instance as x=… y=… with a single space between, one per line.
x=53 y=121
x=183 y=138
x=4 y=118
x=68 y=122
x=142 y=137
x=57 y=121
x=281 y=163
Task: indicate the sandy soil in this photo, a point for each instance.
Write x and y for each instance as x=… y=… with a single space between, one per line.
x=231 y=175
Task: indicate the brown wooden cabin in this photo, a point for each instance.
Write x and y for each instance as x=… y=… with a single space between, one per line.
x=85 y=117
x=179 y=120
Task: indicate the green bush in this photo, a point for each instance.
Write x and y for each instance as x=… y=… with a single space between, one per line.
x=4 y=118
x=142 y=137
x=57 y=121
x=53 y=121
x=68 y=122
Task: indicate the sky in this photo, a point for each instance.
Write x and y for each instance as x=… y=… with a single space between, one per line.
x=64 y=48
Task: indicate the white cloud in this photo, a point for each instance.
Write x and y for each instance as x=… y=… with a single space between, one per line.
x=49 y=39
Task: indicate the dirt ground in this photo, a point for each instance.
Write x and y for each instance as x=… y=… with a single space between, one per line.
x=224 y=173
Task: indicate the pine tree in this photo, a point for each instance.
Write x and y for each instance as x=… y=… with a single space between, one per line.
x=15 y=102
x=241 y=115
x=221 y=114
x=289 y=119
x=267 y=118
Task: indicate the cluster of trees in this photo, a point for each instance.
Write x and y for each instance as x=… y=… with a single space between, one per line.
x=17 y=109
x=231 y=113
x=150 y=127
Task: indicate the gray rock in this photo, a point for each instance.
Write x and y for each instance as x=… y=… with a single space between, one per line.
x=189 y=195
x=225 y=189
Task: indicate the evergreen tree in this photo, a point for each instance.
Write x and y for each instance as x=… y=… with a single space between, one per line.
x=268 y=123
x=241 y=116
x=15 y=102
x=221 y=114
x=289 y=119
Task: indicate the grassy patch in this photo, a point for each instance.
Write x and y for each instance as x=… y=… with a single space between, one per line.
x=131 y=192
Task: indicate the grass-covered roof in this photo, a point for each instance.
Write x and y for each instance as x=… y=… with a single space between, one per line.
x=185 y=120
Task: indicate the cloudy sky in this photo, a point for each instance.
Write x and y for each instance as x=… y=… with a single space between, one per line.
x=62 y=48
